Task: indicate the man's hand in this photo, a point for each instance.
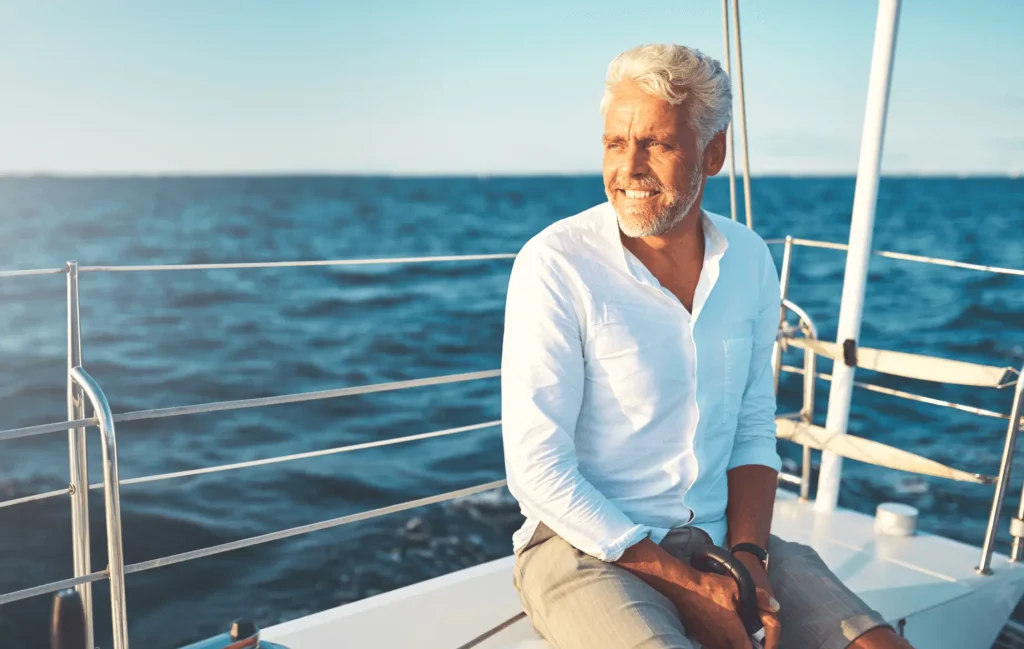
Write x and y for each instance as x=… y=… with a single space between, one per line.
x=766 y=601
x=706 y=602
x=708 y=609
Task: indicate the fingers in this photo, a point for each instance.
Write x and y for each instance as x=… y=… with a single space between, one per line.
x=766 y=603
x=772 y=632
x=769 y=607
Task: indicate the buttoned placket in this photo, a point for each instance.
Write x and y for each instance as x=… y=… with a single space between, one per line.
x=714 y=249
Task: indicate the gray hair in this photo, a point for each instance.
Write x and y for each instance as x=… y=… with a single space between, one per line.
x=677 y=74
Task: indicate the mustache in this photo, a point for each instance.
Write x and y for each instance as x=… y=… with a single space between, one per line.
x=637 y=184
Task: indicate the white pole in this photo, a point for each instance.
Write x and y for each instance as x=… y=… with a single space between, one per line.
x=730 y=142
x=865 y=199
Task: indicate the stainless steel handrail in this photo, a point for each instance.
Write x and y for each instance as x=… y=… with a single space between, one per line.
x=808 y=243
x=265 y=461
x=784 y=276
x=312 y=527
x=56 y=586
x=217 y=406
x=1012 y=430
x=52 y=587
x=902 y=256
x=259 y=264
x=296 y=264
x=43 y=429
x=112 y=497
x=32 y=272
x=300 y=397
x=34 y=497
x=78 y=484
x=806 y=413
x=116 y=569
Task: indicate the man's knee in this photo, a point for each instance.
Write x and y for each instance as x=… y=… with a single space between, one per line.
x=781 y=552
x=817 y=608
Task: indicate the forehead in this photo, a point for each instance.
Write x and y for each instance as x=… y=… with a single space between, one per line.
x=633 y=112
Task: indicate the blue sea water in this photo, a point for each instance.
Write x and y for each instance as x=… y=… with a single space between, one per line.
x=158 y=339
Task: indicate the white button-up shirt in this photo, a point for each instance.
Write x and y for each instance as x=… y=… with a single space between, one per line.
x=622 y=411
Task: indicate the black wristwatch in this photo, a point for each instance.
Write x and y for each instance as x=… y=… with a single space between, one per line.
x=754 y=549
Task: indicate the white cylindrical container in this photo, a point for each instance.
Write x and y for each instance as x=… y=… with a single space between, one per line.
x=896 y=519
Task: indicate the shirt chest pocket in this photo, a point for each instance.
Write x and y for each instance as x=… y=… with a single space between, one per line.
x=736 y=367
x=636 y=352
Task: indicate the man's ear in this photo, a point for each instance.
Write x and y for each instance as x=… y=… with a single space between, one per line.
x=714 y=154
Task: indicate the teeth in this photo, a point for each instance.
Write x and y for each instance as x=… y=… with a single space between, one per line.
x=635 y=194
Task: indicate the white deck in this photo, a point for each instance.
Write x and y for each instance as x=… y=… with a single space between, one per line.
x=928 y=581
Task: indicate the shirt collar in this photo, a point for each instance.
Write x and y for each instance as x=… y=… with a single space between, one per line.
x=715 y=243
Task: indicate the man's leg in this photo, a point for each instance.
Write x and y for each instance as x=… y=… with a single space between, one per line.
x=818 y=610
x=578 y=602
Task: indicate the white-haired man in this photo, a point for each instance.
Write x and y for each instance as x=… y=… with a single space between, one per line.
x=637 y=397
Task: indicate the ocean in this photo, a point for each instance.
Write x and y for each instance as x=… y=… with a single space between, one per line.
x=160 y=339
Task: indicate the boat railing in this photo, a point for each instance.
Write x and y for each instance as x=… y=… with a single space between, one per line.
x=800 y=428
x=82 y=388
x=106 y=421
x=789 y=242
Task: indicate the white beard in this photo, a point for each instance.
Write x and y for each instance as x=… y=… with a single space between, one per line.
x=642 y=223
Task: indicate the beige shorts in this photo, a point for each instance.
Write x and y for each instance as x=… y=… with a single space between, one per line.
x=578 y=602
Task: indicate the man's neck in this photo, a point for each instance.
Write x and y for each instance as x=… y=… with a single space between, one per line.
x=676 y=258
x=679 y=245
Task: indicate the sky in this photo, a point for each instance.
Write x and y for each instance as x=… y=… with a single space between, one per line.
x=479 y=86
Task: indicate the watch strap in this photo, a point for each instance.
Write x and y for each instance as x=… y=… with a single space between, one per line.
x=754 y=549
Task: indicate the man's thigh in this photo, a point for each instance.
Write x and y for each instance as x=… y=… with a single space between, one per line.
x=817 y=610
x=578 y=602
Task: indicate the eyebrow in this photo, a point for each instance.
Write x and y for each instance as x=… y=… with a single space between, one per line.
x=646 y=137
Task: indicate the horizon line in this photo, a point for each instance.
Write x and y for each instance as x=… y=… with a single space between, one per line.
x=171 y=175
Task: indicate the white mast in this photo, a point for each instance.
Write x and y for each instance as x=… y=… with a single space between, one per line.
x=865 y=199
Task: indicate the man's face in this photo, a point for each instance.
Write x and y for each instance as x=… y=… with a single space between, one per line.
x=653 y=162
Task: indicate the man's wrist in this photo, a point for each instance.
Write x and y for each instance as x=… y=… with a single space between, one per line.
x=661 y=570
x=754 y=550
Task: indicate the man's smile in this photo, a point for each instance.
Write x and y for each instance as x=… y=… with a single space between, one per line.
x=638 y=194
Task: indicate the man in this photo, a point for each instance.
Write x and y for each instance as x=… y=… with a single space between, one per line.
x=637 y=397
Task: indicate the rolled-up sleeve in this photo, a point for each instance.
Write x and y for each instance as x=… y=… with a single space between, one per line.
x=542 y=379
x=755 y=433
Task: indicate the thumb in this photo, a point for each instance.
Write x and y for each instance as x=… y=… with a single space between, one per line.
x=766 y=603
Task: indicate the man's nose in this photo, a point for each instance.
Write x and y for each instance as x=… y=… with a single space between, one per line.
x=636 y=163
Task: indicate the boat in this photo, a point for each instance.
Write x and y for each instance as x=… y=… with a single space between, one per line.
x=937 y=592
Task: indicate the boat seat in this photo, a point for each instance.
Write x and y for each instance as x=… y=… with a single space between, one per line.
x=928 y=581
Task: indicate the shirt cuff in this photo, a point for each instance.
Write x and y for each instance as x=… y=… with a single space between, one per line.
x=614 y=550
x=761 y=455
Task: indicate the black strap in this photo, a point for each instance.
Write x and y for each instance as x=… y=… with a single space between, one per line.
x=850 y=352
x=751 y=548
